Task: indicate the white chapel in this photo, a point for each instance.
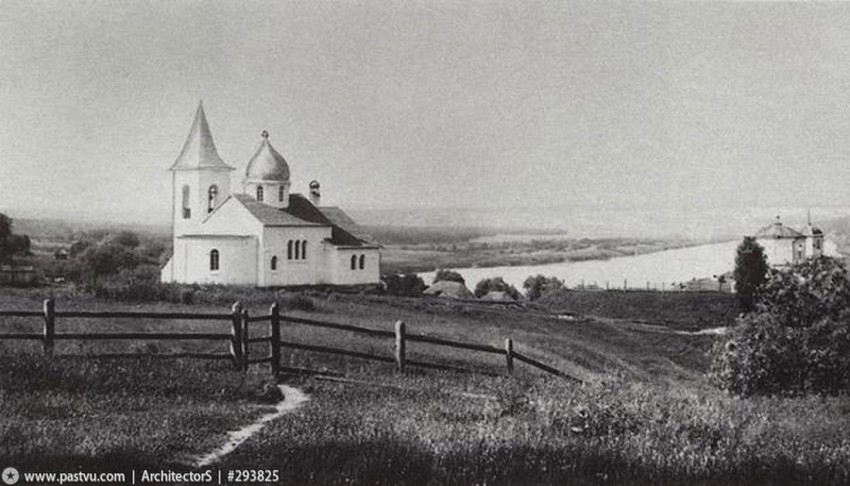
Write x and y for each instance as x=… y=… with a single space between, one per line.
x=262 y=235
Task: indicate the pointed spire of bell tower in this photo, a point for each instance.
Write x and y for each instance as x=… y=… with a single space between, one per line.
x=199 y=150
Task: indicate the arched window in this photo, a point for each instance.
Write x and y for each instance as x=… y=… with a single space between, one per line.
x=304 y=250
x=260 y=193
x=281 y=193
x=297 y=249
x=187 y=212
x=354 y=262
x=362 y=262
x=289 y=250
x=274 y=263
x=212 y=198
x=214 y=261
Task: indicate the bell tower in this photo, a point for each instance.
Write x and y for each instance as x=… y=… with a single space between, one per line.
x=200 y=179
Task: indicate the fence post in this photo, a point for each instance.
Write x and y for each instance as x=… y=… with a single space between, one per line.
x=236 y=335
x=625 y=285
x=274 y=336
x=49 y=326
x=244 y=339
x=509 y=355
x=399 y=345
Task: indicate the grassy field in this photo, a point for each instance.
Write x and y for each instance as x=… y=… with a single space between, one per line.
x=685 y=310
x=645 y=414
x=107 y=415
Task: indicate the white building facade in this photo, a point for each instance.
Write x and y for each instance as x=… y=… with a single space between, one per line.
x=263 y=235
x=784 y=245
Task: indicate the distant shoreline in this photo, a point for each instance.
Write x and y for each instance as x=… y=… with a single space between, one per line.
x=424 y=258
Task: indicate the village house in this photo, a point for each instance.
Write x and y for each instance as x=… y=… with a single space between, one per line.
x=784 y=245
x=262 y=235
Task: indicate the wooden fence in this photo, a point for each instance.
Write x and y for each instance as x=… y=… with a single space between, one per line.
x=239 y=338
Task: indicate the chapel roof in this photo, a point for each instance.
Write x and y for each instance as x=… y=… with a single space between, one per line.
x=777 y=230
x=199 y=151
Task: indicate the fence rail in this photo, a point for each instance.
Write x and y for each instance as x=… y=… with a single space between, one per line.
x=239 y=338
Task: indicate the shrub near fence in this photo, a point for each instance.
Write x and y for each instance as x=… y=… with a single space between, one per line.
x=240 y=338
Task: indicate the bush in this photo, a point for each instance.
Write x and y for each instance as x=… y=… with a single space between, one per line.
x=496 y=284
x=537 y=286
x=797 y=340
x=449 y=276
x=296 y=302
x=409 y=285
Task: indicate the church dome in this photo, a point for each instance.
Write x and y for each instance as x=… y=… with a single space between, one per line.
x=267 y=164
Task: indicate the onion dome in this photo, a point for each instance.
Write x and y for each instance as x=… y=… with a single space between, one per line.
x=199 y=150
x=267 y=164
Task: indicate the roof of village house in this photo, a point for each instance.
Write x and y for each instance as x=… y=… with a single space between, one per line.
x=301 y=212
x=199 y=150
x=777 y=230
x=267 y=164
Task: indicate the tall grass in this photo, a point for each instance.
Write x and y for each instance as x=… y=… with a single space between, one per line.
x=427 y=431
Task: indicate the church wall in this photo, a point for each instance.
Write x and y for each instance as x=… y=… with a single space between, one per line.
x=340 y=264
x=207 y=178
x=237 y=260
x=779 y=251
x=167 y=272
x=308 y=271
x=198 y=182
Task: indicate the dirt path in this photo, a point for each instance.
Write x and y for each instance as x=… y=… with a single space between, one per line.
x=292 y=399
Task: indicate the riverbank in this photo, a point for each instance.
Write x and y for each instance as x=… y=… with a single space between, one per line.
x=526 y=251
x=664 y=269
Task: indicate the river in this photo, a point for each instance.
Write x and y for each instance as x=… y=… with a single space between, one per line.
x=660 y=269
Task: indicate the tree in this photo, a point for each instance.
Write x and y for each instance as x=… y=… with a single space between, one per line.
x=797 y=338
x=125 y=238
x=496 y=284
x=537 y=286
x=750 y=272
x=449 y=276
x=105 y=259
x=10 y=243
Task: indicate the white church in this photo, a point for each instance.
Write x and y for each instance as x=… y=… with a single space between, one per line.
x=262 y=235
x=784 y=245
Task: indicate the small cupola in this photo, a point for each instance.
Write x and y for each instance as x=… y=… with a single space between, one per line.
x=267 y=175
x=315 y=193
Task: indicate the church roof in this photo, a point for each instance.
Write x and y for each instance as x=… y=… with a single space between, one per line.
x=810 y=230
x=267 y=164
x=339 y=218
x=301 y=212
x=778 y=230
x=199 y=150
x=345 y=231
x=270 y=216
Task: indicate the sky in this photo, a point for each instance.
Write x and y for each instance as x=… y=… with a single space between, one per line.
x=420 y=104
